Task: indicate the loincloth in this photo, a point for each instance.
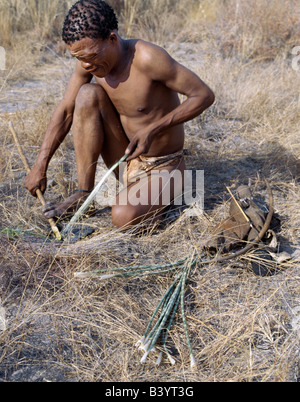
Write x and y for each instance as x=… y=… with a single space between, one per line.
x=144 y=164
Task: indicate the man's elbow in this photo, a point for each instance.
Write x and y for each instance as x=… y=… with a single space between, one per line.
x=209 y=98
x=204 y=100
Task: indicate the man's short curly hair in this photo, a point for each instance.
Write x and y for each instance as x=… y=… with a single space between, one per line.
x=93 y=19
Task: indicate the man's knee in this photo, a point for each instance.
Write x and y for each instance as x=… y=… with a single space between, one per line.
x=123 y=216
x=90 y=95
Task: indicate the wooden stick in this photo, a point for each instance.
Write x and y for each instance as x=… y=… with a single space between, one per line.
x=38 y=191
x=260 y=236
x=238 y=205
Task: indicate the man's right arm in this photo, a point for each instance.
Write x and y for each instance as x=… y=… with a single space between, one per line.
x=58 y=128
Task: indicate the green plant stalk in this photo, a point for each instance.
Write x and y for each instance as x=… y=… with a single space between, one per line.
x=161 y=316
x=140 y=267
x=157 y=328
x=166 y=314
x=138 y=273
x=172 y=264
x=163 y=299
x=186 y=272
x=163 y=333
x=166 y=332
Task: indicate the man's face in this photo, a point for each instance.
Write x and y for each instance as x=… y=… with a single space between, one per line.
x=96 y=56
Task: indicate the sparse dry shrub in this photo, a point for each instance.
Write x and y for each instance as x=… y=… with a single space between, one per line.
x=258 y=28
x=44 y=18
x=249 y=29
x=152 y=20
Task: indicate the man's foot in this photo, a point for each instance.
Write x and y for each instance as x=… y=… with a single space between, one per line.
x=67 y=207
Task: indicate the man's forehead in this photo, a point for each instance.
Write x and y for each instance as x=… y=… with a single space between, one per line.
x=84 y=46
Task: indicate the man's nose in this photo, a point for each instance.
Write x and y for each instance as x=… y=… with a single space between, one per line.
x=86 y=65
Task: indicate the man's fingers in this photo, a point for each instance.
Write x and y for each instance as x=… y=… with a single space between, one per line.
x=136 y=147
x=134 y=150
x=51 y=214
x=50 y=210
x=138 y=151
x=131 y=147
x=33 y=192
x=34 y=182
x=48 y=207
x=131 y=153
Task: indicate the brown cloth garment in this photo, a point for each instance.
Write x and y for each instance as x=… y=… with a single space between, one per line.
x=144 y=164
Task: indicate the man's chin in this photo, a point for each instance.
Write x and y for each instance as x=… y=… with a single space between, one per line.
x=99 y=74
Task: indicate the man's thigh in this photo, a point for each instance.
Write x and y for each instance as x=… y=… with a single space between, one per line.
x=149 y=194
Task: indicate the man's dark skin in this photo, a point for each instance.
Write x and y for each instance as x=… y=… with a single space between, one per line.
x=133 y=108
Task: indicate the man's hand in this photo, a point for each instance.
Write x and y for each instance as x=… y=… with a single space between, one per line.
x=140 y=144
x=36 y=179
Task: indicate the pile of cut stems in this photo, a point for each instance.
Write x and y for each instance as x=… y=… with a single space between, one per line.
x=160 y=323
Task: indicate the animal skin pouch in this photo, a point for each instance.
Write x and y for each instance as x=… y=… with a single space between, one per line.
x=245 y=221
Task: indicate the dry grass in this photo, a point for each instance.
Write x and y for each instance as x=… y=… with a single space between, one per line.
x=42 y=19
x=243 y=327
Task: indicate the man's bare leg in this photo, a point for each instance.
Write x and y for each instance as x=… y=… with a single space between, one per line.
x=125 y=215
x=96 y=130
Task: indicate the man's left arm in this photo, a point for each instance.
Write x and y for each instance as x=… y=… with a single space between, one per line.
x=160 y=66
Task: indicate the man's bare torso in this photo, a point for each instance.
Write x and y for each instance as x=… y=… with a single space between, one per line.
x=141 y=101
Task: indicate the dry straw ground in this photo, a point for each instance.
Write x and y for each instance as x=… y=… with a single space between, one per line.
x=243 y=327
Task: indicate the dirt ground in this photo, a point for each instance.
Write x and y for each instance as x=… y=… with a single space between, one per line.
x=243 y=327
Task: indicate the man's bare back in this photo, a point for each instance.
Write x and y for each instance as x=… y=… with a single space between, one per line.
x=132 y=108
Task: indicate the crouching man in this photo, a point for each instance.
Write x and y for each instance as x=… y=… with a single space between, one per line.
x=133 y=107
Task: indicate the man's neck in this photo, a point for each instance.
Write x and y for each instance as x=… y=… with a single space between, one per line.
x=125 y=55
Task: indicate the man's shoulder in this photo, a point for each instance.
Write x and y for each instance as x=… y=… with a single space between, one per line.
x=143 y=45
x=147 y=53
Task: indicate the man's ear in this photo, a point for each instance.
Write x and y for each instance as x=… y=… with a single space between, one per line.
x=112 y=37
